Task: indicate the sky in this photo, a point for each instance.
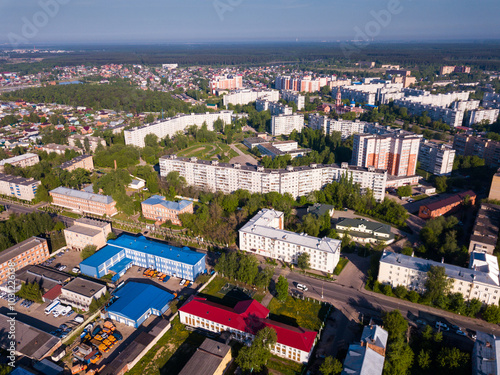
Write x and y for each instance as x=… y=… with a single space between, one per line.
x=31 y=22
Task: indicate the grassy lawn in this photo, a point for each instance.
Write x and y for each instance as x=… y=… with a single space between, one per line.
x=419 y=197
x=283 y=366
x=208 y=151
x=167 y=354
x=340 y=266
x=296 y=312
x=71 y=214
x=211 y=292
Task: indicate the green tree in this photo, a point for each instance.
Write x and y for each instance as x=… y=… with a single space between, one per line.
x=395 y=324
x=441 y=184
x=330 y=366
x=492 y=314
x=88 y=251
x=404 y=191
x=451 y=358
x=111 y=236
x=424 y=359
x=282 y=289
x=255 y=357
x=303 y=261
x=437 y=283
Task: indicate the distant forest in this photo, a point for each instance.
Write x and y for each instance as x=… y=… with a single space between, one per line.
x=480 y=55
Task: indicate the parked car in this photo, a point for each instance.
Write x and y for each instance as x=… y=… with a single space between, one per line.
x=460 y=332
x=76 y=270
x=302 y=287
x=442 y=326
x=182 y=282
x=79 y=319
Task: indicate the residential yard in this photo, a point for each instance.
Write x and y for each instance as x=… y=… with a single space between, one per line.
x=282 y=366
x=208 y=151
x=212 y=292
x=297 y=312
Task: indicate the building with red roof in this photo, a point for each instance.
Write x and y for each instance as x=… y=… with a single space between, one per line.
x=446 y=205
x=244 y=321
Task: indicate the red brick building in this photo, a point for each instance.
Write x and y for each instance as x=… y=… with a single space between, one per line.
x=445 y=205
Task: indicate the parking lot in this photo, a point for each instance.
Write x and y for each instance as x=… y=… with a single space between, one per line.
x=68 y=258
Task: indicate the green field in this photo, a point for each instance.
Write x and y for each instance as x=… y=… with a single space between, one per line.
x=208 y=151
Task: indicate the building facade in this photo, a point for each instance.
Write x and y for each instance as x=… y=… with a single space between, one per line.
x=275 y=108
x=397 y=153
x=244 y=321
x=328 y=126
x=76 y=140
x=479 y=115
x=82 y=161
x=22 y=161
x=86 y=231
x=80 y=293
x=58 y=149
x=436 y=158
x=297 y=181
x=365 y=231
x=291 y=96
x=285 y=124
x=127 y=250
x=480 y=281
x=484 y=235
x=158 y=209
x=18 y=187
x=243 y=97
x=227 y=82
x=484 y=148
x=34 y=250
x=82 y=201
x=170 y=126
x=446 y=205
x=264 y=235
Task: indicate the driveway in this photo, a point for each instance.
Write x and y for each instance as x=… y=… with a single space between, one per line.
x=243 y=159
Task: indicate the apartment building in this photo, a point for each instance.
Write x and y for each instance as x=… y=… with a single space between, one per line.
x=80 y=293
x=395 y=152
x=495 y=187
x=34 y=250
x=227 y=82
x=285 y=124
x=243 y=97
x=480 y=280
x=301 y=84
x=478 y=115
x=244 y=321
x=274 y=107
x=78 y=140
x=58 y=149
x=18 y=187
x=86 y=231
x=370 y=93
x=292 y=96
x=454 y=69
x=82 y=201
x=491 y=100
x=328 y=125
x=485 y=355
x=22 y=161
x=170 y=126
x=484 y=235
x=482 y=147
x=436 y=158
x=297 y=181
x=368 y=356
x=81 y=161
x=158 y=209
x=264 y=235
x=127 y=250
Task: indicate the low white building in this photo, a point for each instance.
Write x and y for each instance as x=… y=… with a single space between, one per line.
x=365 y=231
x=86 y=231
x=264 y=235
x=79 y=293
x=480 y=281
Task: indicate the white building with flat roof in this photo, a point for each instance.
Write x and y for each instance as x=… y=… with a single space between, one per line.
x=293 y=96
x=246 y=96
x=264 y=235
x=18 y=187
x=275 y=108
x=436 y=158
x=480 y=281
x=344 y=127
x=297 y=181
x=22 y=161
x=285 y=124
x=478 y=115
x=170 y=126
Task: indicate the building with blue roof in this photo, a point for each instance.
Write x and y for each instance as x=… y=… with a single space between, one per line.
x=160 y=210
x=127 y=250
x=135 y=302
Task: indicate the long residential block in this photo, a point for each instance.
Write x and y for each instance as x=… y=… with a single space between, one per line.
x=285 y=124
x=170 y=126
x=297 y=181
x=264 y=235
x=480 y=281
x=328 y=126
x=34 y=250
x=243 y=97
x=22 y=161
x=18 y=187
x=82 y=201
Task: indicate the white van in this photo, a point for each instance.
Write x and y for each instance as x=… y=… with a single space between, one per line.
x=302 y=287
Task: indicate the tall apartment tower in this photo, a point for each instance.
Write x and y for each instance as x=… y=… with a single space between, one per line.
x=436 y=158
x=397 y=153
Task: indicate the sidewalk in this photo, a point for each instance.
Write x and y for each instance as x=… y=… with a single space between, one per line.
x=267 y=298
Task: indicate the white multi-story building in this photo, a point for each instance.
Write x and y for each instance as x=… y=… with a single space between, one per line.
x=480 y=281
x=285 y=124
x=297 y=181
x=370 y=93
x=478 y=115
x=22 y=161
x=292 y=96
x=246 y=96
x=264 y=235
x=173 y=125
x=18 y=187
x=395 y=152
x=491 y=100
x=79 y=139
x=436 y=158
x=329 y=125
x=273 y=107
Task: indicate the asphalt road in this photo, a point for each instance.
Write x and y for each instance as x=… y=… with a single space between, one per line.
x=374 y=304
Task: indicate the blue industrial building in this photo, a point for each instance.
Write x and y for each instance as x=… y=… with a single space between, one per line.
x=135 y=302
x=122 y=253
